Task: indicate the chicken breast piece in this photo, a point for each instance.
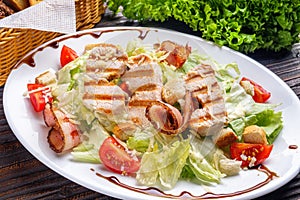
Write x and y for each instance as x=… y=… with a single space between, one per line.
x=145 y=84
x=145 y=74
x=105 y=61
x=104 y=97
x=209 y=116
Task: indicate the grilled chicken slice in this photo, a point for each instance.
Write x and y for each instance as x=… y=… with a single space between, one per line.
x=104 y=97
x=177 y=54
x=210 y=114
x=105 y=61
x=141 y=75
x=64 y=134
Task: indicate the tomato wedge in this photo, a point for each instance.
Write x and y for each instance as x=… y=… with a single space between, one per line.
x=260 y=94
x=38 y=98
x=67 y=55
x=116 y=158
x=250 y=154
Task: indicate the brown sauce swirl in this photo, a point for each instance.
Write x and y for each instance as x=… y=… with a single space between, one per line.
x=153 y=191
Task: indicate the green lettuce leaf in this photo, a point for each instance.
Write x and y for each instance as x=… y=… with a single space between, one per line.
x=139 y=144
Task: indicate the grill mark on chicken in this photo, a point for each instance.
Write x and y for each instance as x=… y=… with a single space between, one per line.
x=102 y=82
x=194 y=75
x=149 y=87
x=104 y=97
x=202 y=117
x=139 y=59
x=103 y=110
x=106 y=70
x=140 y=103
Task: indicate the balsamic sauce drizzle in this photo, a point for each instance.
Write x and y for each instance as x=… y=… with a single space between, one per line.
x=293 y=146
x=153 y=191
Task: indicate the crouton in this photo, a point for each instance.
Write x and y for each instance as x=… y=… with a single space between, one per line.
x=254 y=134
x=46 y=78
x=248 y=87
x=225 y=137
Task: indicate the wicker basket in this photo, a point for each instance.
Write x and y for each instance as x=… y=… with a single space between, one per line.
x=15 y=43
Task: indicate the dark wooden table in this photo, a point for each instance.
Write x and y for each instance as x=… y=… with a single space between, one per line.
x=22 y=176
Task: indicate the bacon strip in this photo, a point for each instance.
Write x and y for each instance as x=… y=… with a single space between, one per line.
x=164 y=117
x=178 y=54
x=63 y=135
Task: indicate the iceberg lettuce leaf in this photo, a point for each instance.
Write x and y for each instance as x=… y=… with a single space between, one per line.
x=164 y=165
x=201 y=161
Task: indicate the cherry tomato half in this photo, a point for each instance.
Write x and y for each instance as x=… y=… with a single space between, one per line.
x=37 y=98
x=115 y=158
x=260 y=94
x=245 y=152
x=67 y=55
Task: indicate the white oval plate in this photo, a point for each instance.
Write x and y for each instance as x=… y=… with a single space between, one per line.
x=30 y=130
